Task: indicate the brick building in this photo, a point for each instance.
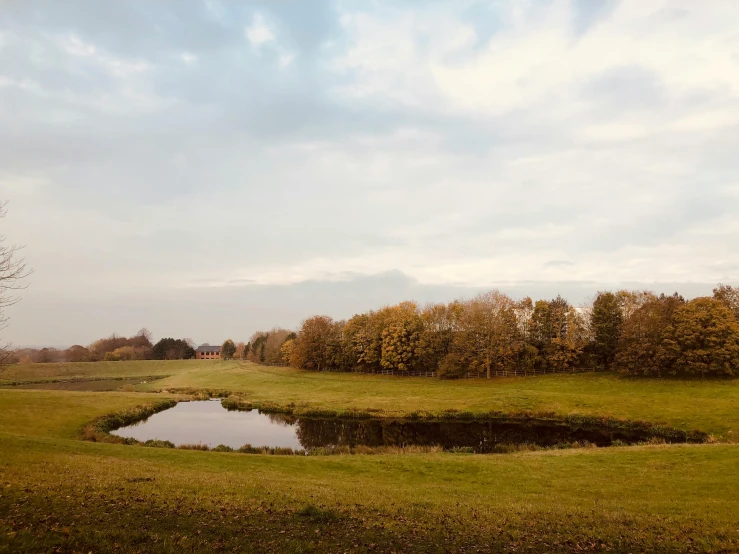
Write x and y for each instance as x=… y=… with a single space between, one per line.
x=207 y=352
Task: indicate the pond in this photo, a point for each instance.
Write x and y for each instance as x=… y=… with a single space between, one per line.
x=208 y=423
x=98 y=385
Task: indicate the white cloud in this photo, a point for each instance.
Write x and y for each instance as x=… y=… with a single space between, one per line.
x=286 y=60
x=452 y=148
x=259 y=32
x=189 y=58
x=536 y=61
x=615 y=132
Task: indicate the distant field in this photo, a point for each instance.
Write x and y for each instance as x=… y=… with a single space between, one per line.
x=60 y=492
x=141 y=368
x=710 y=405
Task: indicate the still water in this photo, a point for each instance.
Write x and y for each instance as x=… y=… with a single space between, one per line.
x=207 y=422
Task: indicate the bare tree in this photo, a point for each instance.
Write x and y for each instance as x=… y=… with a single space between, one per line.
x=12 y=272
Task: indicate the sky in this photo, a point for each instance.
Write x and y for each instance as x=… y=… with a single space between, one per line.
x=209 y=168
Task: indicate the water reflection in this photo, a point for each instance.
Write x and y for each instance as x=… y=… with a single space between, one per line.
x=209 y=423
x=481 y=436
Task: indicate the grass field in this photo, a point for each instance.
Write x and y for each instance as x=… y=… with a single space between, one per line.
x=59 y=492
x=711 y=405
x=142 y=368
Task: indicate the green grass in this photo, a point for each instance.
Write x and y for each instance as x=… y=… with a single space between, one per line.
x=62 y=414
x=103 y=494
x=138 y=368
x=711 y=405
x=59 y=492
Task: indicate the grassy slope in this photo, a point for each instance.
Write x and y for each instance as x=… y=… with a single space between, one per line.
x=62 y=492
x=60 y=414
x=711 y=406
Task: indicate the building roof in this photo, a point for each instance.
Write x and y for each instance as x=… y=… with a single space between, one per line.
x=207 y=348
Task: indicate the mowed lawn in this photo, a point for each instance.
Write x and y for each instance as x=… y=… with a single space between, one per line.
x=59 y=492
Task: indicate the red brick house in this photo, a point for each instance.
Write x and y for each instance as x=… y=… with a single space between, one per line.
x=208 y=352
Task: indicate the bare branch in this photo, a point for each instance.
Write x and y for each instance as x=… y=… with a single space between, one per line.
x=13 y=271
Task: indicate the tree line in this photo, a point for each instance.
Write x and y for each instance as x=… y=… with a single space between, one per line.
x=111 y=349
x=637 y=332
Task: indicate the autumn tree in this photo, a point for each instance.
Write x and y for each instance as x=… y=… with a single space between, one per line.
x=540 y=328
x=338 y=357
x=401 y=338
x=729 y=296
x=362 y=337
x=77 y=353
x=527 y=355
x=140 y=342
x=487 y=332
x=286 y=351
x=357 y=341
x=439 y=325
x=272 y=345
x=632 y=300
x=565 y=349
x=142 y=338
x=606 y=321
x=46 y=356
x=642 y=347
x=704 y=338
x=309 y=348
x=228 y=349
x=13 y=271
x=556 y=347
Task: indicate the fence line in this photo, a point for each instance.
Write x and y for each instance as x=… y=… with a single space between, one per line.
x=532 y=372
x=471 y=375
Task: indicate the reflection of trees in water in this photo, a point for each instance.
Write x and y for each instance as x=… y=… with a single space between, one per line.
x=283 y=420
x=339 y=432
x=482 y=436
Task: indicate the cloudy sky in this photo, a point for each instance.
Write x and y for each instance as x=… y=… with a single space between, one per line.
x=208 y=168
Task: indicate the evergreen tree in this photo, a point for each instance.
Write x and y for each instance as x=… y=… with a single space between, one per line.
x=228 y=349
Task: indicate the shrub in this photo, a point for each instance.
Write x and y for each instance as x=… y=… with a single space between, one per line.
x=232 y=404
x=156 y=443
